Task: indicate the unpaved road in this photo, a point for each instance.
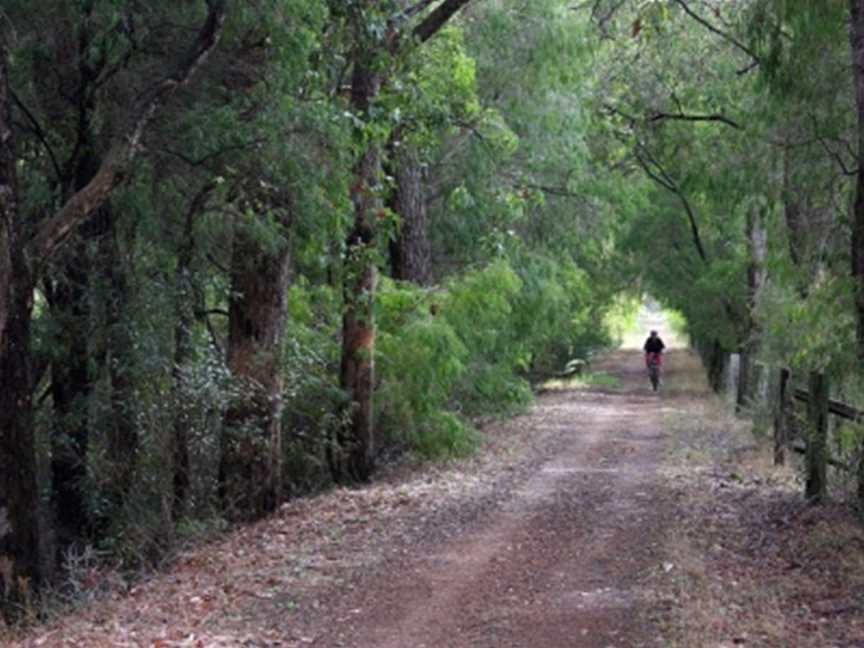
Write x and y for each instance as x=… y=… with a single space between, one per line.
x=560 y=559
x=550 y=537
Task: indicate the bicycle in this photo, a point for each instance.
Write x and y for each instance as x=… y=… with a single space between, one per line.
x=654 y=363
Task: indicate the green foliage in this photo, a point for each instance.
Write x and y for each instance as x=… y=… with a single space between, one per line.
x=814 y=333
x=467 y=348
x=444 y=435
x=312 y=397
x=479 y=306
x=420 y=360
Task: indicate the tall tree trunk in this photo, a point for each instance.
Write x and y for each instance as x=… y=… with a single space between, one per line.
x=757 y=238
x=353 y=456
x=716 y=365
x=792 y=211
x=19 y=495
x=856 y=36
x=19 y=492
x=250 y=470
x=410 y=251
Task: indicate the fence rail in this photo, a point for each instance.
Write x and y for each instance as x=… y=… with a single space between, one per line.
x=747 y=381
x=814 y=445
x=835 y=407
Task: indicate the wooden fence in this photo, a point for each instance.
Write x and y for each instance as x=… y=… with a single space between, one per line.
x=814 y=442
x=776 y=388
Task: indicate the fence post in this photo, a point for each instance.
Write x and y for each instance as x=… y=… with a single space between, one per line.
x=860 y=477
x=781 y=413
x=742 y=388
x=817 y=438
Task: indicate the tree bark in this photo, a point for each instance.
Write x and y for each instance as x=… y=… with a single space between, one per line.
x=433 y=23
x=410 y=251
x=856 y=36
x=757 y=238
x=351 y=458
x=19 y=493
x=250 y=470
x=716 y=364
x=793 y=213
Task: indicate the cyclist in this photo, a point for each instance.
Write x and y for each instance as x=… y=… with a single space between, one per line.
x=653 y=348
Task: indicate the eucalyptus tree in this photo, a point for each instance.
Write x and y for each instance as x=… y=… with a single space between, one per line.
x=278 y=190
x=380 y=30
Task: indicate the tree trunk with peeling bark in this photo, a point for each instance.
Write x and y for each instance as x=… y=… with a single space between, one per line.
x=250 y=469
x=352 y=457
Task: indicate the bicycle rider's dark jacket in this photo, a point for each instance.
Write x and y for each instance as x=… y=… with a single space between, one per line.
x=654 y=345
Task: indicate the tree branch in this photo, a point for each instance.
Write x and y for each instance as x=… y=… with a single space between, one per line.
x=837 y=158
x=662 y=178
x=437 y=19
x=695 y=118
x=39 y=132
x=728 y=38
x=53 y=232
x=412 y=11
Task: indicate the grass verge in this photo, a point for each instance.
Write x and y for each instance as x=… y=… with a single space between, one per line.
x=748 y=562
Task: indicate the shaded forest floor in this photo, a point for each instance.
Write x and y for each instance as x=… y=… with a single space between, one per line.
x=606 y=516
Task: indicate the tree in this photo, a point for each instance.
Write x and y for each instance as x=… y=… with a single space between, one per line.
x=856 y=36
x=19 y=495
x=354 y=456
x=20 y=500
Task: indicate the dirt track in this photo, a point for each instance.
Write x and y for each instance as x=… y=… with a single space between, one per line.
x=546 y=539
x=559 y=559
